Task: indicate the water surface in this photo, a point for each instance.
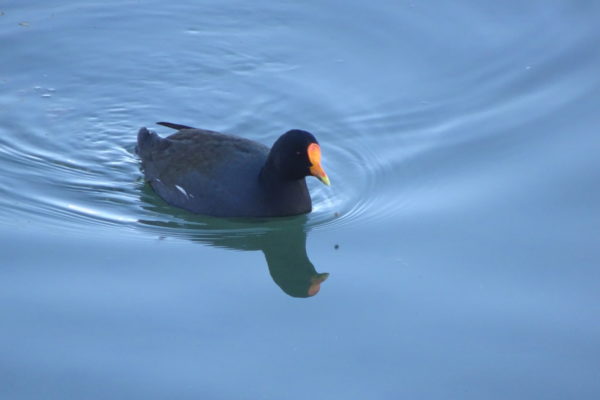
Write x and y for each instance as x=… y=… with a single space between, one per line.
x=455 y=255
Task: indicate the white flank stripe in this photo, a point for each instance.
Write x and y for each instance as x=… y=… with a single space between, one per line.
x=182 y=190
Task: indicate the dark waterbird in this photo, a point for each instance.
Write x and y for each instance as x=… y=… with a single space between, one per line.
x=221 y=175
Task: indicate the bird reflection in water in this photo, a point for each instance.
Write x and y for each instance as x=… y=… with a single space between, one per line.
x=282 y=241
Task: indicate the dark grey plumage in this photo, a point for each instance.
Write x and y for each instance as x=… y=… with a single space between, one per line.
x=211 y=173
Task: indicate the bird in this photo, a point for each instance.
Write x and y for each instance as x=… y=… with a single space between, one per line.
x=222 y=175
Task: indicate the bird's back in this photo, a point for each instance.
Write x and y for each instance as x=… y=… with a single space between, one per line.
x=204 y=171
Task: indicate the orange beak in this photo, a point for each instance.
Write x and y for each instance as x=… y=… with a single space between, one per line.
x=314 y=156
x=315 y=283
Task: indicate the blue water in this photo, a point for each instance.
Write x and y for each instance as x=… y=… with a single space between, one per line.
x=454 y=257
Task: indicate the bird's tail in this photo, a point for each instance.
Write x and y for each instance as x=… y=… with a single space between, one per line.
x=146 y=140
x=174 y=126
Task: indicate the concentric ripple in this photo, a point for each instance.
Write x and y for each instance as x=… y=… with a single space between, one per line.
x=100 y=186
x=67 y=134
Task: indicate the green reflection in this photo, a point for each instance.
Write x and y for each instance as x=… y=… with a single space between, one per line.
x=282 y=240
